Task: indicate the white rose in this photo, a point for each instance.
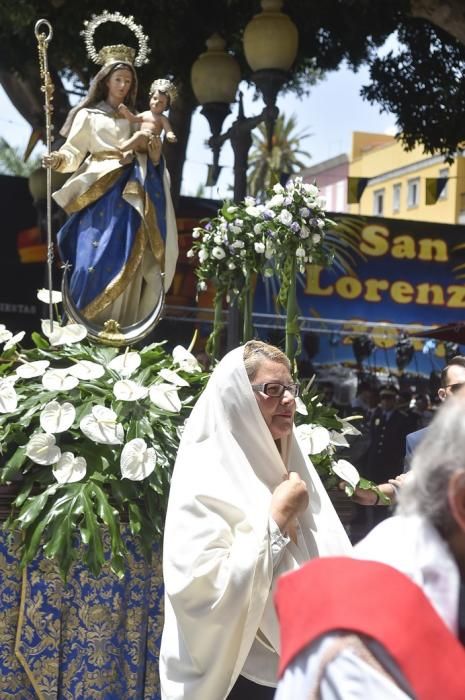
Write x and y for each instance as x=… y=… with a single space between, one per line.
x=218 y=253
x=285 y=217
x=316 y=238
x=276 y=201
x=203 y=255
x=259 y=248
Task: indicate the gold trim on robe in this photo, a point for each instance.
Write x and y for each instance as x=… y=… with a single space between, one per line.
x=19 y=655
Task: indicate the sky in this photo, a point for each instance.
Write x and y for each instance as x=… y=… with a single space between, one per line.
x=330 y=113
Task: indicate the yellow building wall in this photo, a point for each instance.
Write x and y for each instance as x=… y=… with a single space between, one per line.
x=375 y=155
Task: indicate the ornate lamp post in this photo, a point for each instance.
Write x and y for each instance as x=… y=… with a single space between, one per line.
x=270 y=46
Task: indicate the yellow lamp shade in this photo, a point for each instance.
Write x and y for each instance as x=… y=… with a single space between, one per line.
x=215 y=75
x=270 y=38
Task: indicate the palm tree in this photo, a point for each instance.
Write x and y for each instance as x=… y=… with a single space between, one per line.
x=12 y=162
x=267 y=167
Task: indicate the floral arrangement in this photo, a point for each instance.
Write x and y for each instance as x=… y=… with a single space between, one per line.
x=277 y=237
x=322 y=433
x=89 y=435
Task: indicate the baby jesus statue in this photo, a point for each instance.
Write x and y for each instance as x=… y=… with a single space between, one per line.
x=147 y=139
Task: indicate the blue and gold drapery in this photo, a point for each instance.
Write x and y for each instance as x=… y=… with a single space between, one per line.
x=92 y=637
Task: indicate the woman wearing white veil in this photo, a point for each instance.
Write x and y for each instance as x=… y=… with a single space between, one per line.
x=245 y=506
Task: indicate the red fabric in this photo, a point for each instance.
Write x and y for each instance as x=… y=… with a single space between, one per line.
x=373 y=599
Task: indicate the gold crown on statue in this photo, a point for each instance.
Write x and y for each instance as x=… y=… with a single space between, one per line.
x=115 y=52
x=166 y=86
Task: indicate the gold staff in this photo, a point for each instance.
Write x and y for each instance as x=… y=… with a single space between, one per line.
x=43 y=40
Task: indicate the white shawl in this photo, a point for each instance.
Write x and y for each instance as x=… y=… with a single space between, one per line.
x=217 y=562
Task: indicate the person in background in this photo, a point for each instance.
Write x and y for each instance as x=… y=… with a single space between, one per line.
x=424 y=410
x=452 y=380
x=371 y=627
x=245 y=505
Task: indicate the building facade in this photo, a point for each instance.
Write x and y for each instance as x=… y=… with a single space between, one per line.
x=396 y=181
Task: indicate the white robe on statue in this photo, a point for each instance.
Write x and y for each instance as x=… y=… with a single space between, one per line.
x=218 y=560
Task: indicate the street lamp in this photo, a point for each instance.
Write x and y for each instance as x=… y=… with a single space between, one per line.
x=270 y=44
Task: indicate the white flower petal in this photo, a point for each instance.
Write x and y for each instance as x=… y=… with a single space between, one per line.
x=346 y=471
x=57 y=380
x=85 y=369
x=169 y=376
x=137 y=460
x=56 y=417
x=5 y=335
x=44 y=295
x=348 y=428
x=42 y=449
x=8 y=397
x=185 y=360
x=14 y=340
x=32 y=369
x=63 y=335
x=338 y=439
x=125 y=364
x=300 y=407
x=165 y=396
x=313 y=438
x=127 y=390
x=101 y=426
x=69 y=468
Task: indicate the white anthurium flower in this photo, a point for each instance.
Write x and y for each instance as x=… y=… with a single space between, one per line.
x=59 y=380
x=14 y=340
x=85 y=369
x=63 y=335
x=313 y=438
x=125 y=364
x=137 y=460
x=185 y=360
x=56 y=417
x=300 y=407
x=169 y=376
x=42 y=449
x=348 y=428
x=8 y=397
x=101 y=426
x=69 y=468
x=44 y=295
x=5 y=334
x=346 y=471
x=338 y=439
x=32 y=369
x=127 y=390
x=165 y=396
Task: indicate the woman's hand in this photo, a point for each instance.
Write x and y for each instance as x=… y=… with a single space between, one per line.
x=288 y=500
x=124 y=111
x=54 y=160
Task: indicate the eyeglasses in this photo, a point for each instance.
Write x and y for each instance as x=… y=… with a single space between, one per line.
x=276 y=390
x=454 y=387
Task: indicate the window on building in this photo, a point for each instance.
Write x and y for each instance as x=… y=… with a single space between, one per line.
x=396 y=190
x=378 y=202
x=413 y=193
x=444 y=172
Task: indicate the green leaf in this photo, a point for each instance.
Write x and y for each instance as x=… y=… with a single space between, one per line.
x=39 y=341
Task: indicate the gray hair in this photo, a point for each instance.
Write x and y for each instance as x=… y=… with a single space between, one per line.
x=439 y=456
x=256 y=350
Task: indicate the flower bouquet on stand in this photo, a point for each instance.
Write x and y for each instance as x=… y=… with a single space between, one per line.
x=88 y=438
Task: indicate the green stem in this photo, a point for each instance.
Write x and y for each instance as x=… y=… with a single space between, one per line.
x=247 y=312
x=292 y=329
x=213 y=344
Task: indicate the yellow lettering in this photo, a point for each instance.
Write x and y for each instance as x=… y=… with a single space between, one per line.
x=402 y=292
x=374 y=240
x=403 y=247
x=430 y=294
x=349 y=287
x=456 y=299
x=433 y=249
x=373 y=289
x=313 y=282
